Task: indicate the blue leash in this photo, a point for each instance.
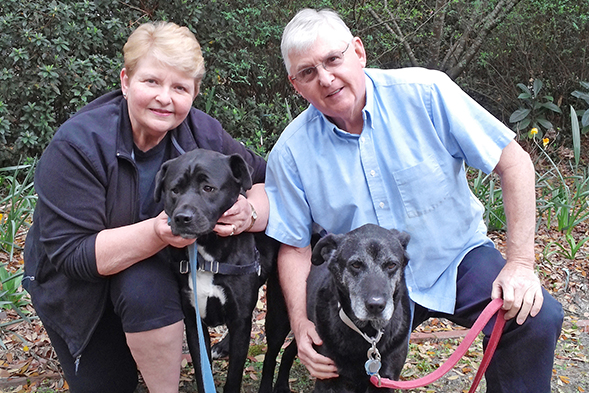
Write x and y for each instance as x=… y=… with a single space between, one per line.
x=205 y=365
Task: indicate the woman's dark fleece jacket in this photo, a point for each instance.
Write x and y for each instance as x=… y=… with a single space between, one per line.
x=86 y=182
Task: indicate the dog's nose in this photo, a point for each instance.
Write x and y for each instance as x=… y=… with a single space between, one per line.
x=183 y=218
x=375 y=305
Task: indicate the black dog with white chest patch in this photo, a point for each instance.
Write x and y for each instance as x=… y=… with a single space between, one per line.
x=197 y=188
x=358 y=300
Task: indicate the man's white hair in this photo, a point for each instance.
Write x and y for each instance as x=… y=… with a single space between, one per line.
x=303 y=30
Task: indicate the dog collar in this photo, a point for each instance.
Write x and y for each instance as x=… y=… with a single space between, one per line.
x=223 y=268
x=227 y=269
x=373 y=363
x=345 y=319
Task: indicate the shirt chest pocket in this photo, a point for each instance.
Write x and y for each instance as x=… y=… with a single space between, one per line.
x=422 y=187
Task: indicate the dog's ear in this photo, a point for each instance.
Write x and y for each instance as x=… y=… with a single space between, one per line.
x=241 y=171
x=324 y=249
x=159 y=182
x=403 y=237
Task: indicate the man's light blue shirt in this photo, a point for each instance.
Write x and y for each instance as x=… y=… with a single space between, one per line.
x=406 y=170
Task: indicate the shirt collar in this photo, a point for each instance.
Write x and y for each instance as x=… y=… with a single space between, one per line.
x=369 y=106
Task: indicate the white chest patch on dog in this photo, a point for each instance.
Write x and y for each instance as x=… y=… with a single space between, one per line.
x=206 y=288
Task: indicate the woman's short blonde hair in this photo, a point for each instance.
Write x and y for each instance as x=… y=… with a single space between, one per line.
x=170 y=44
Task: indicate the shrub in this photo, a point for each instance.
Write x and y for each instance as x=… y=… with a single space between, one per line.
x=57 y=56
x=54 y=58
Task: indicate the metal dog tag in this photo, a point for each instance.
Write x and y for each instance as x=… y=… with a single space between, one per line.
x=372 y=366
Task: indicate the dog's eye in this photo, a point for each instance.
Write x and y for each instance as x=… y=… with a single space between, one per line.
x=175 y=190
x=357 y=265
x=390 y=266
x=208 y=189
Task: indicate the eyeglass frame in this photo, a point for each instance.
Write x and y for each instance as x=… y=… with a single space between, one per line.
x=322 y=63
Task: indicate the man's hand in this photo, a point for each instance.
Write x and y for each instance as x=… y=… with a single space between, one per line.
x=521 y=291
x=318 y=365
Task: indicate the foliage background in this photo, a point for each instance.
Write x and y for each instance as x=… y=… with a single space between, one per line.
x=55 y=56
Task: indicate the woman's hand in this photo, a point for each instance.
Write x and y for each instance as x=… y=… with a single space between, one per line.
x=119 y=248
x=237 y=219
x=164 y=231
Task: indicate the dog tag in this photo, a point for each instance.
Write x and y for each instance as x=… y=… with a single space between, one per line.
x=372 y=366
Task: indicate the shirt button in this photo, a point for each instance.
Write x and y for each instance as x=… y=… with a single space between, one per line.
x=373 y=173
x=362 y=139
x=381 y=205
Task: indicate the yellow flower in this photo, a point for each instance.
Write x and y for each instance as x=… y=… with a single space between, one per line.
x=534 y=131
x=26 y=348
x=545 y=141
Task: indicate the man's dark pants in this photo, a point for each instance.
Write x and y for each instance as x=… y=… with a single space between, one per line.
x=524 y=358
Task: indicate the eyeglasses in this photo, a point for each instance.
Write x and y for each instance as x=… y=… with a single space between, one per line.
x=330 y=63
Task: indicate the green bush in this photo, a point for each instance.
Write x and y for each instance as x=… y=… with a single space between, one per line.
x=540 y=39
x=55 y=56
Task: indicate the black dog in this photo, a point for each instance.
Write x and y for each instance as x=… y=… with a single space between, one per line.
x=363 y=283
x=197 y=188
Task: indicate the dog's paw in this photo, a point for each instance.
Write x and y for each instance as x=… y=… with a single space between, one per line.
x=220 y=350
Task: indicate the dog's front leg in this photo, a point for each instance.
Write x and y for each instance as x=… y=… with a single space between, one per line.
x=277 y=328
x=239 y=339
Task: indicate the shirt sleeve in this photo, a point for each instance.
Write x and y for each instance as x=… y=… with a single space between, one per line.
x=468 y=130
x=290 y=220
x=71 y=206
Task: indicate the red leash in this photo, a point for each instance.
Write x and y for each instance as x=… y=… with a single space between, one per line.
x=492 y=308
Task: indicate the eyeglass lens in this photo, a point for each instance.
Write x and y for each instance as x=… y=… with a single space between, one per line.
x=332 y=61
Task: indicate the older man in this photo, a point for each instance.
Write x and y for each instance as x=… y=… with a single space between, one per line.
x=389 y=147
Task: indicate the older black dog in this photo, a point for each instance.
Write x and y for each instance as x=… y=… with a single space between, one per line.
x=197 y=188
x=358 y=300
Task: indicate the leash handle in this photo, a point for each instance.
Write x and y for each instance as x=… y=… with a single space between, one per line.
x=492 y=308
x=205 y=365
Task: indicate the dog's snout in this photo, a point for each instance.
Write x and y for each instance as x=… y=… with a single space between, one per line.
x=375 y=304
x=183 y=218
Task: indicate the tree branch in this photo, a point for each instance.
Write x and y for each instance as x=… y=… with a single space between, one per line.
x=438 y=34
x=491 y=21
x=397 y=33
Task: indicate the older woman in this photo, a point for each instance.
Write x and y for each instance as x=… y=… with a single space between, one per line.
x=97 y=256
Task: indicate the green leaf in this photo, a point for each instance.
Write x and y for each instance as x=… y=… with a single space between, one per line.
x=524 y=123
x=524 y=88
x=551 y=106
x=544 y=123
x=524 y=96
x=585 y=119
x=576 y=135
x=519 y=115
x=537 y=86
